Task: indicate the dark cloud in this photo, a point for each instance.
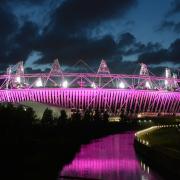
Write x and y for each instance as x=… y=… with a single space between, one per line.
x=175 y=7
x=67 y=36
x=172 y=54
x=19 y=44
x=8 y=22
x=77 y=15
x=139 y=47
x=31 y=1
x=17 y=41
x=31 y=70
x=169 y=26
x=8 y=25
x=157 y=70
x=174 y=51
x=154 y=57
x=75 y=48
x=123 y=67
x=27 y=34
x=34 y=2
x=126 y=39
x=134 y=68
x=128 y=45
x=24 y=41
x=64 y=36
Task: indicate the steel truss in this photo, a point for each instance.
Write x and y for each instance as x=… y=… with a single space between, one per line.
x=15 y=78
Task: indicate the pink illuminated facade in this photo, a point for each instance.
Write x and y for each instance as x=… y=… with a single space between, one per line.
x=112 y=99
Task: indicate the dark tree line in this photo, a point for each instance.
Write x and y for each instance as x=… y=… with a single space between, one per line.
x=16 y=123
x=88 y=115
x=20 y=119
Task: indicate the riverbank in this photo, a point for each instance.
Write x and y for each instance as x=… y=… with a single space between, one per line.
x=160 y=148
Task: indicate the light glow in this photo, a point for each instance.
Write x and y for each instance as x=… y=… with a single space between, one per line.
x=93 y=85
x=18 y=79
x=148 y=85
x=65 y=84
x=38 y=83
x=167 y=73
x=121 y=85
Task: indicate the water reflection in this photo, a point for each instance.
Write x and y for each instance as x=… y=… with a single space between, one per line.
x=110 y=158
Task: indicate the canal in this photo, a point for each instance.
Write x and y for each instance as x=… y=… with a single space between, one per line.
x=109 y=158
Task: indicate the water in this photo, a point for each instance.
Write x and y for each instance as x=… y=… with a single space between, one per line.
x=109 y=158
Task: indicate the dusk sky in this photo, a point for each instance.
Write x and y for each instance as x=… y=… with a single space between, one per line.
x=123 y=32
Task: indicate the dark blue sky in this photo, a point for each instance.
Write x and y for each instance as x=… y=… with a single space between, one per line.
x=123 y=32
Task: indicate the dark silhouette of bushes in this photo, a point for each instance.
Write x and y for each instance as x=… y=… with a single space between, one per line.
x=62 y=120
x=47 y=118
x=16 y=123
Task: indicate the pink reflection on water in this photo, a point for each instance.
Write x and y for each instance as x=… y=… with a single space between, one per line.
x=110 y=158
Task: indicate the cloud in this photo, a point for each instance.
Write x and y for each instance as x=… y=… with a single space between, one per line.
x=28 y=2
x=19 y=45
x=17 y=41
x=79 y=15
x=171 y=54
x=126 y=39
x=128 y=45
x=175 y=7
x=174 y=51
x=8 y=24
x=72 y=49
x=169 y=26
x=39 y=70
x=154 y=57
x=65 y=36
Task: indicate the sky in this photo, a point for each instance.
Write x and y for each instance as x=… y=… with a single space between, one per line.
x=124 y=33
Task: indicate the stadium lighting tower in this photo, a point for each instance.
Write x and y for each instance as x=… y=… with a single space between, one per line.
x=167 y=75
x=175 y=82
x=121 y=85
x=144 y=70
x=65 y=84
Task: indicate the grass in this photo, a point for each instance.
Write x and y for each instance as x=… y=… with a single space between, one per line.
x=165 y=140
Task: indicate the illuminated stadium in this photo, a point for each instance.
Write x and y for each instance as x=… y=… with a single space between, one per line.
x=142 y=92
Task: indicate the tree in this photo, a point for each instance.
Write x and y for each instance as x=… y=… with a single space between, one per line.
x=31 y=116
x=105 y=116
x=122 y=116
x=87 y=115
x=76 y=116
x=47 y=118
x=62 y=119
x=97 y=115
